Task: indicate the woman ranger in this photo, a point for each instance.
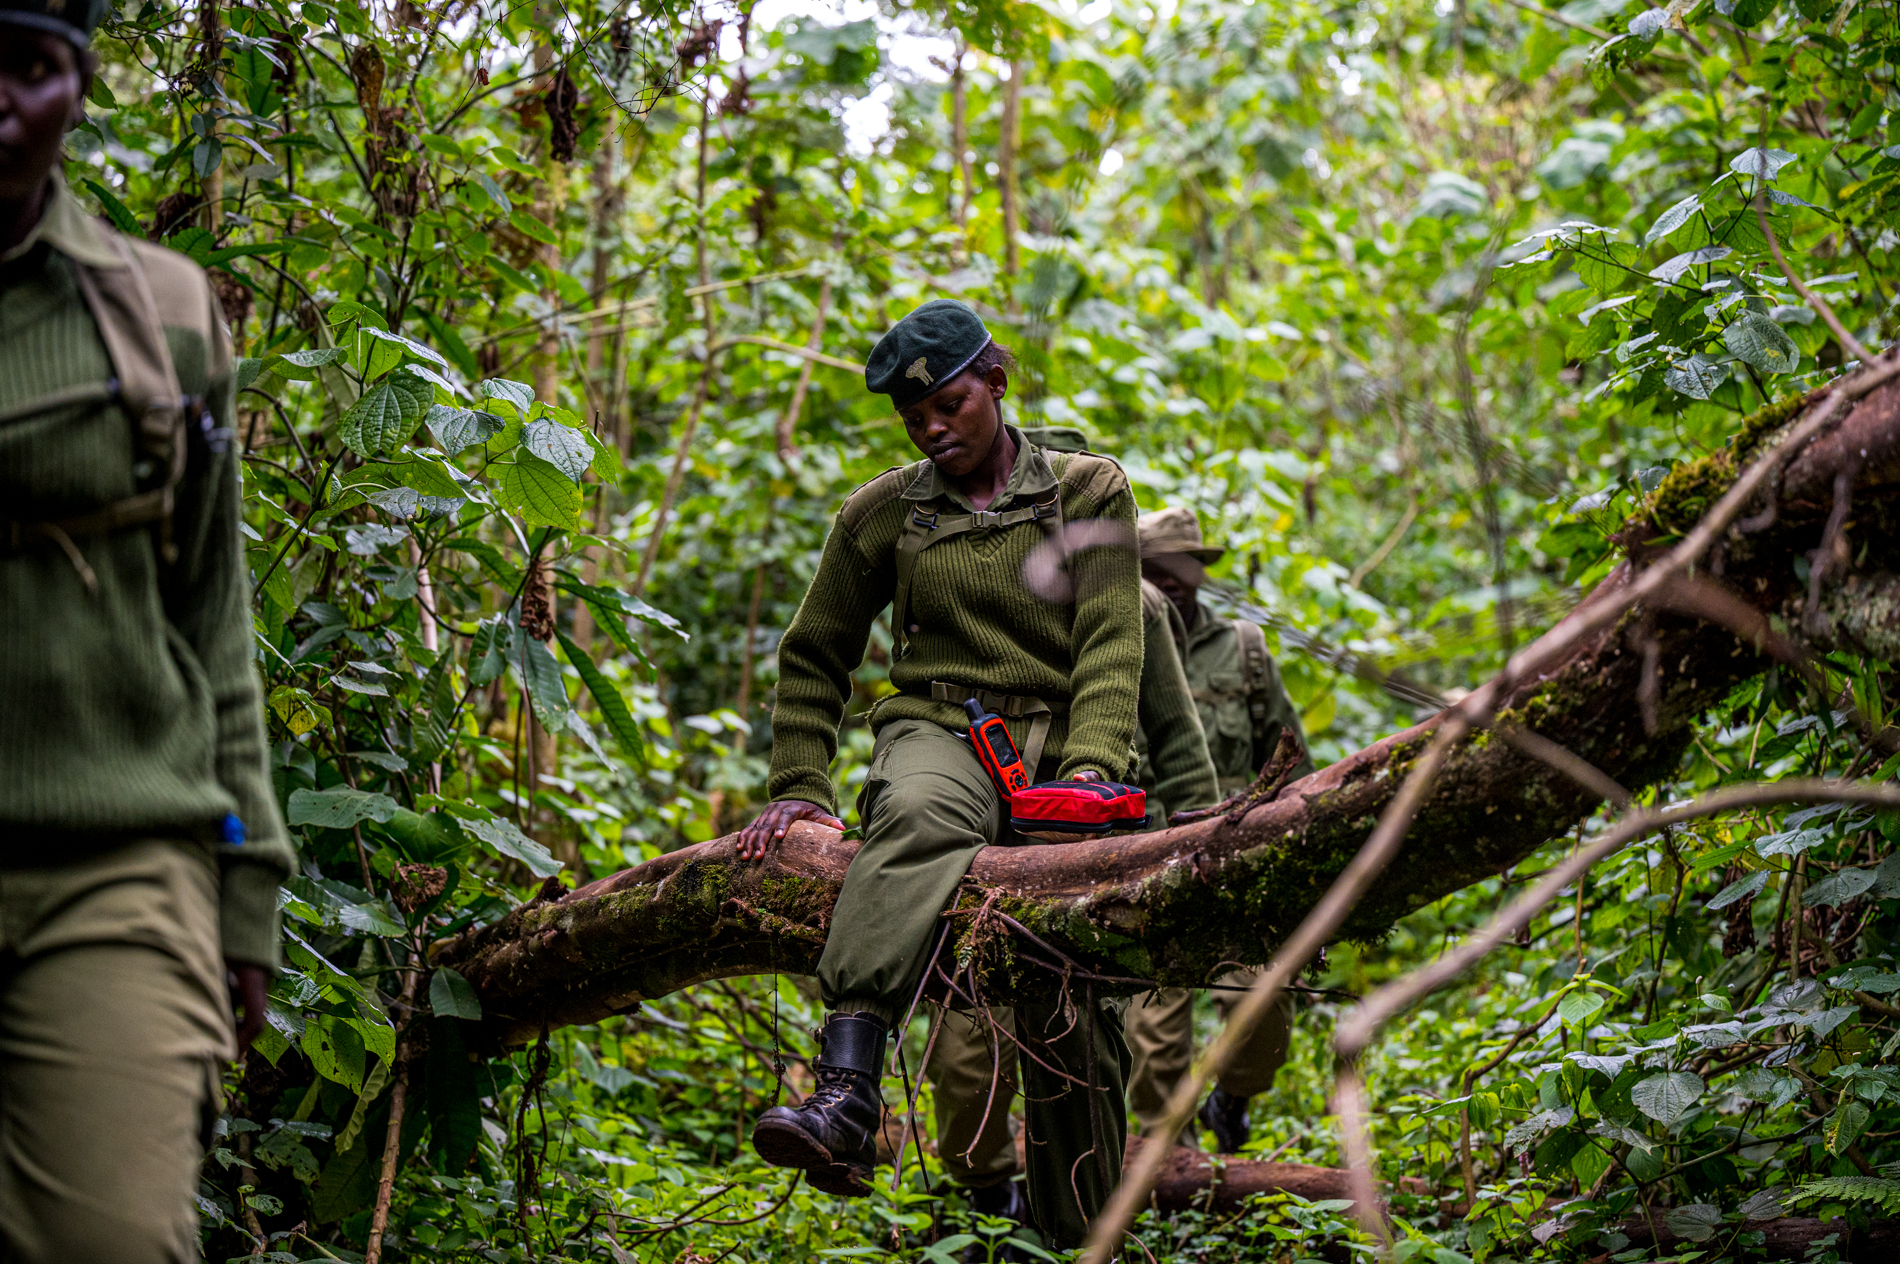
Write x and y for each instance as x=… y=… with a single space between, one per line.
x=943 y=542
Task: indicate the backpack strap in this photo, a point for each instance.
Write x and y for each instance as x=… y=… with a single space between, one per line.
x=145 y=384
x=923 y=528
x=1253 y=668
x=122 y=305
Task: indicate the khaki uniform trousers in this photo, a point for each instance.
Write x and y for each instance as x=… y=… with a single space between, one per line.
x=113 y=1016
x=1160 y=1033
x=975 y=1074
x=926 y=809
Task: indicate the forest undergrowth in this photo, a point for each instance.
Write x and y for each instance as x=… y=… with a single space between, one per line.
x=548 y=320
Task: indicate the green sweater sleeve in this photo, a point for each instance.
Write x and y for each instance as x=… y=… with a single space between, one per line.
x=822 y=647
x=1184 y=777
x=1105 y=642
x=208 y=600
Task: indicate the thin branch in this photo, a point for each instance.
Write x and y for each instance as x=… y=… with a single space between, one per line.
x=1851 y=344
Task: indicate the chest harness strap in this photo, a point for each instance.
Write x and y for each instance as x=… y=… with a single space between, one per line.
x=924 y=528
x=121 y=303
x=1012 y=706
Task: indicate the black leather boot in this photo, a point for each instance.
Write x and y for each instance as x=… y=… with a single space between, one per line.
x=1225 y=1116
x=1004 y=1199
x=832 y=1135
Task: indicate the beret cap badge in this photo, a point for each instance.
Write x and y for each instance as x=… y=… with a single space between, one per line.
x=923 y=352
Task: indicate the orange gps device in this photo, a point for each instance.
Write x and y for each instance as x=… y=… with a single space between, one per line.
x=996 y=749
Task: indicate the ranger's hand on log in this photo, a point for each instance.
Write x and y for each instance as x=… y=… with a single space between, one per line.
x=768 y=828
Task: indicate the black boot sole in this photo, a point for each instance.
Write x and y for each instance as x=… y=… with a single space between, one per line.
x=787 y=1145
x=847 y=1180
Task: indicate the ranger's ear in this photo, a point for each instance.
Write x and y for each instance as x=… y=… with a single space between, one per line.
x=998 y=381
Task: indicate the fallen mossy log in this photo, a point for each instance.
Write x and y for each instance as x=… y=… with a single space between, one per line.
x=1195 y=1180
x=1179 y=905
x=1790 y=1238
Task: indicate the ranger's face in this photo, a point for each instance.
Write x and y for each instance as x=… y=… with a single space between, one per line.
x=42 y=83
x=957 y=426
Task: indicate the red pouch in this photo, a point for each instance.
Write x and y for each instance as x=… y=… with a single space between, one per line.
x=1063 y=811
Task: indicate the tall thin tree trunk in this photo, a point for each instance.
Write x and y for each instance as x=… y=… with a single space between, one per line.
x=960 y=137
x=678 y=473
x=211 y=29
x=1006 y=153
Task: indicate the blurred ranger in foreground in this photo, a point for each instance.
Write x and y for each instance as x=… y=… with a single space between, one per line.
x=1244 y=709
x=140 y=846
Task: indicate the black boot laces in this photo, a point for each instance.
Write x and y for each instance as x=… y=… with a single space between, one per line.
x=834 y=1086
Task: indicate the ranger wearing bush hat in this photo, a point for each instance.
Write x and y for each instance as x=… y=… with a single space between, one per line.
x=140 y=845
x=1244 y=709
x=942 y=543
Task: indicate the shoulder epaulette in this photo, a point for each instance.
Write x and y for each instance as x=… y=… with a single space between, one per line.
x=880 y=491
x=1092 y=476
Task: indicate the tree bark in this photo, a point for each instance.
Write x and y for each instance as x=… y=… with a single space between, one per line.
x=1178 y=905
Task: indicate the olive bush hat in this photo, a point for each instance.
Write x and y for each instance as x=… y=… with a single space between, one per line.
x=73 y=20
x=1174 y=530
x=925 y=350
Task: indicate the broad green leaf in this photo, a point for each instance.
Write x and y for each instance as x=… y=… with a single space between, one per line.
x=1672 y=219
x=1579 y=1007
x=504 y=838
x=1766 y=163
x=613 y=708
x=385 y=415
x=1697 y=377
x=489 y=651
x=1740 y=889
x=518 y=395
x=1756 y=340
x=373 y=918
x=539 y=671
x=1838 y=888
x=335 y=1048
x=1845 y=1125
x=406 y=344
x=116 y=211
x=532 y=227
x=452 y=996
x=1619 y=1132
x=540 y=493
x=459 y=428
x=339 y=808
x=298 y=710
x=1663 y=1097
x=565 y=448
x=424 y=474
x=1697 y=1222
x=1674 y=268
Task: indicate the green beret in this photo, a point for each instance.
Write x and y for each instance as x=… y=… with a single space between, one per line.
x=924 y=350
x=73 y=20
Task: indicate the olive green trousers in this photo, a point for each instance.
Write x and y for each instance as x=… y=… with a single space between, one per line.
x=1160 y=1033
x=113 y=1016
x=926 y=809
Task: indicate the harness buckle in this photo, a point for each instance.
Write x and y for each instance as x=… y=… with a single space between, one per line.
x=1045 y=509
x=928 y=521
x=985 y=519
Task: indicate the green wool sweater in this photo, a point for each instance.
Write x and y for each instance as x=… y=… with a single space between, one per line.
x=978 y=625
x=132 y=711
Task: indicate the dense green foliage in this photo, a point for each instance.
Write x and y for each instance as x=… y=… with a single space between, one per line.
x=1413 y=303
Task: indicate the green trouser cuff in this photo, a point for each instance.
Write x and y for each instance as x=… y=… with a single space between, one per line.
x=247 y=913
x=889 y=1015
